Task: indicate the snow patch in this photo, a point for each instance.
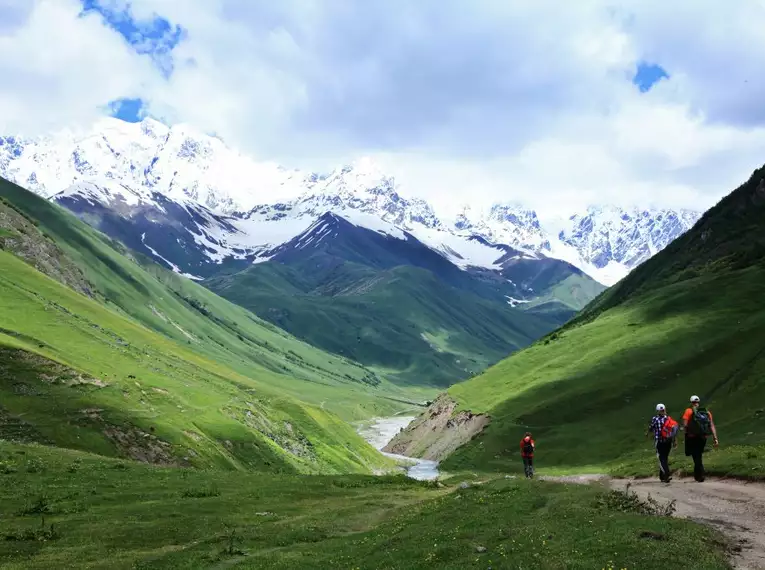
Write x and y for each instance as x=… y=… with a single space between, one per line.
x=157 y=255
x=460 y=250
x=374 y=223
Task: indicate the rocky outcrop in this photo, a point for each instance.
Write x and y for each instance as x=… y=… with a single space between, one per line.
x=20 y=236
x=438 y=431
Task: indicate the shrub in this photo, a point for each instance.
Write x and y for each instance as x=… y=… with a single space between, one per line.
x=41 y=534
x=200 y=493
x=39 y=506
x=232 y=540
x=629 y=502
x=35 y=465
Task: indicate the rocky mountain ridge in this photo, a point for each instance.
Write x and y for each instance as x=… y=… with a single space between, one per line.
x=142 y=164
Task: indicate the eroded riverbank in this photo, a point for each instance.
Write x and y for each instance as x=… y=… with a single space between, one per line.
x=380 y=431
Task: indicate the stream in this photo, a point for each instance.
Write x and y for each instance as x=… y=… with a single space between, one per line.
x=379 y=431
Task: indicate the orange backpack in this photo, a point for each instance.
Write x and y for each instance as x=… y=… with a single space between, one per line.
x=669 y=429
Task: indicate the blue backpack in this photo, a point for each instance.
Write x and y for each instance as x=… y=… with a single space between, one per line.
x=700 y=423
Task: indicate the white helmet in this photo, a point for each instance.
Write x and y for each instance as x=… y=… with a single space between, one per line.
x=660 y=407
x=695 y=399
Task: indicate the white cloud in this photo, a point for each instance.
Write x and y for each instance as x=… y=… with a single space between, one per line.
x=504 y=100
x=59 y=69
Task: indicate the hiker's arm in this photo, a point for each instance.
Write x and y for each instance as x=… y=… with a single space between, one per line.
x=714 y=429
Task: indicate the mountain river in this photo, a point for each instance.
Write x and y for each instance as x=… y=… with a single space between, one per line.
x=379 y=431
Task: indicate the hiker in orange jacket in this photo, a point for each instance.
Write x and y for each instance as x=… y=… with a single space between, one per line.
x=664 y=430
x=527 y=453
x=698 y=424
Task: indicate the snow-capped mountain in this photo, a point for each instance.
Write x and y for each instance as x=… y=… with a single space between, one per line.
x=512 y=224
x=176 y=162
x=608 y=241
x=222 y=206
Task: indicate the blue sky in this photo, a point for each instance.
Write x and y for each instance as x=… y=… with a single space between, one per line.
x=155 y=37
x=127 y=109
x=647 y=75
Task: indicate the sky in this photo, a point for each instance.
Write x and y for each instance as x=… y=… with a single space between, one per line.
x=553 y=104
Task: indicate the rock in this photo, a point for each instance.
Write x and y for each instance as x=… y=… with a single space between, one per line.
x=464 y=485
x=480 y=549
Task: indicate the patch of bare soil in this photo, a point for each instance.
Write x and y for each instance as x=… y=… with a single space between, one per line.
x=141 y=446
x=133 y=442
x=18 y=364
x=27 y=242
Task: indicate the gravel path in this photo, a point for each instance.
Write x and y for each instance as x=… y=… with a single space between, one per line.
x=736 y=508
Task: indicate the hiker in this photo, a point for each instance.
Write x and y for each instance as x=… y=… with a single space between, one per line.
x=698 y=424
x=664 y=430
x=527 y=453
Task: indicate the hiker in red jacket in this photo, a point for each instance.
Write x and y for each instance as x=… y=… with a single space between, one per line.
x=527 y=453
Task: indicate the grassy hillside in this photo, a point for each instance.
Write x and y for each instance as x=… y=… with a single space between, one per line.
x=67 y=509
x=180 y=309
x=689 y=321
x=210 y=385
x=564 y=298
x=404 y=322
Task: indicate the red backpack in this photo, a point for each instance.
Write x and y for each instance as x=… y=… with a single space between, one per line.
x=669 y=429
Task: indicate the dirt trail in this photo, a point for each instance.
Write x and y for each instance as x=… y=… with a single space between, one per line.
x=736 y=508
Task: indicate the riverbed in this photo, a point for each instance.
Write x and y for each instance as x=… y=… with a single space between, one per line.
x=379 y=431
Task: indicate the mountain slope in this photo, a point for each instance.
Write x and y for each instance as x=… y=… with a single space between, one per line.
x=191 y=239
x=689 y=321
x=388 y=301
x=155 y=367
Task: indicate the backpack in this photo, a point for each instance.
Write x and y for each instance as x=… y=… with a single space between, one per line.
x=669 y=429
x=528 y=447
x=700 y=423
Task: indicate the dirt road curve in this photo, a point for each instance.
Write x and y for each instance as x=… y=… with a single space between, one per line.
x=736 y=508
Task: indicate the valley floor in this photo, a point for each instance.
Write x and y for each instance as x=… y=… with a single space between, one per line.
x=65 y=509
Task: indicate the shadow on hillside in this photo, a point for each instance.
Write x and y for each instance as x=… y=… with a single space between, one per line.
x=63 y=225
x=739 y=291
x=602 y=412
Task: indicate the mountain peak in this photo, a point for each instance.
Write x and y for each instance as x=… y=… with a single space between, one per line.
x=362 y=176
x=130 y=161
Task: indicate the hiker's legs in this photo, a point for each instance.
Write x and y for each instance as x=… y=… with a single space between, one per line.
x=694 y=447
x=528 y=467
x=698 y=459
x=662 y=452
